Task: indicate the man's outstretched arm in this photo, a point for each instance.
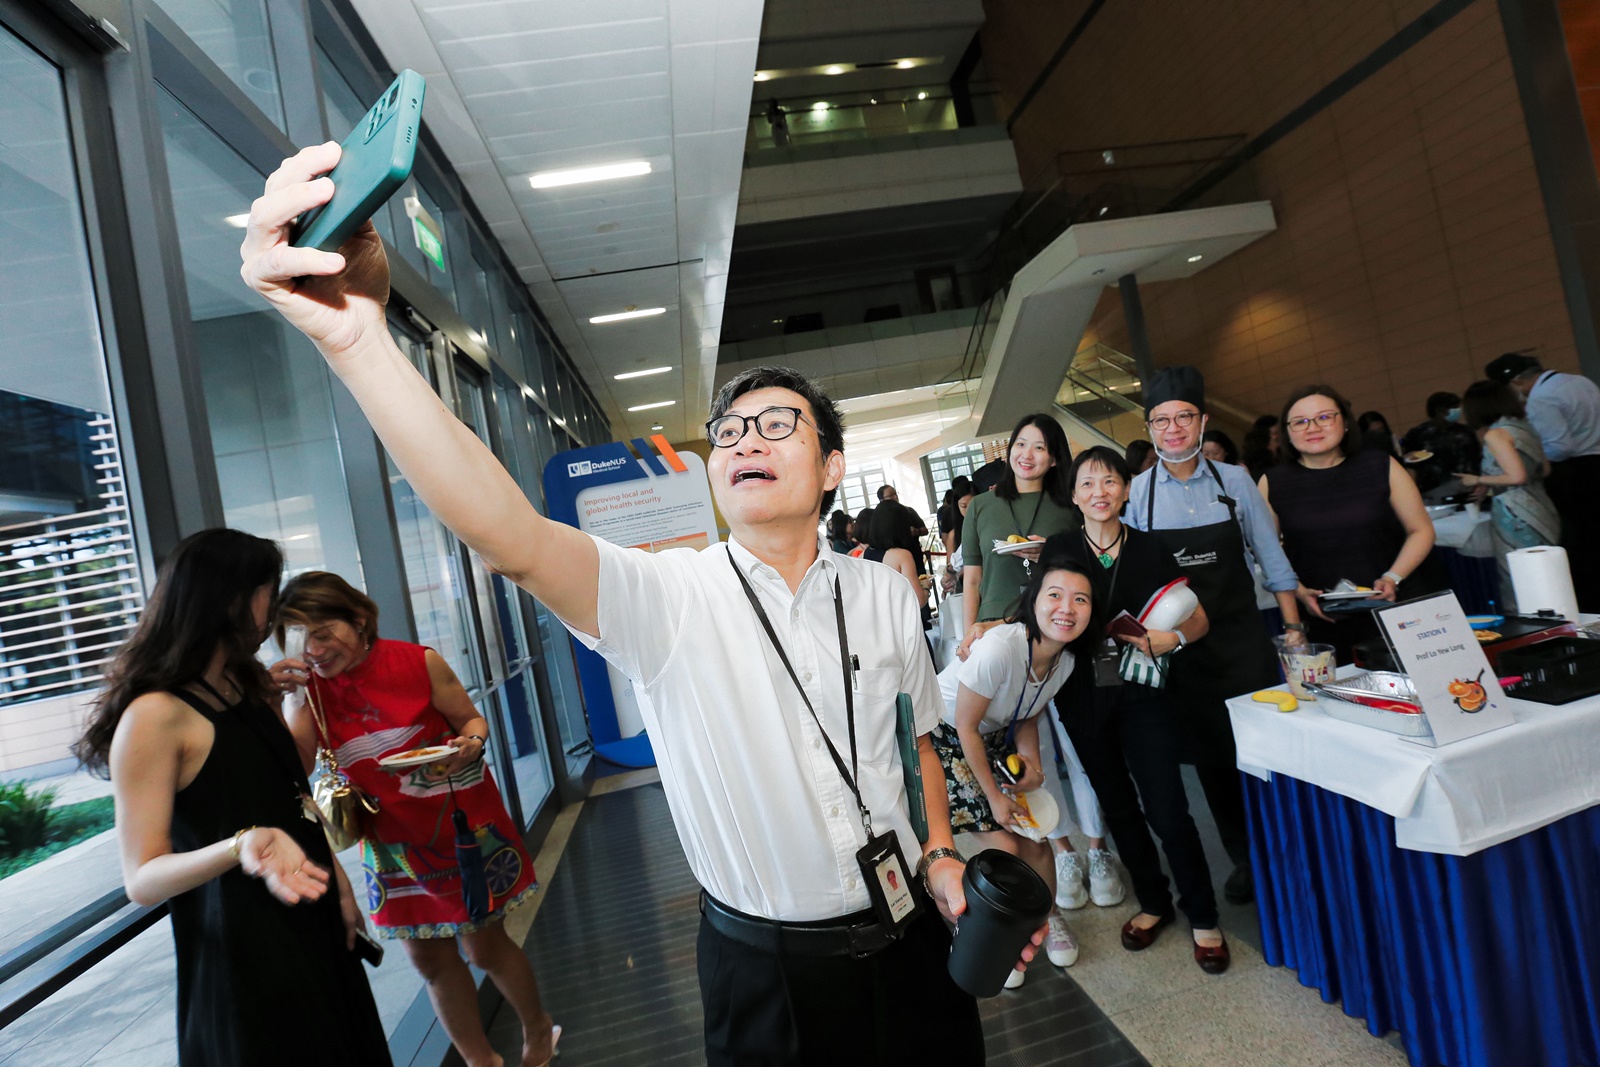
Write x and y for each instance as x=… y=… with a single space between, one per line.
x=337 y=299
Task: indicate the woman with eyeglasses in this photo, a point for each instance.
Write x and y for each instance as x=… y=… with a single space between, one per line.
x=1344 y=512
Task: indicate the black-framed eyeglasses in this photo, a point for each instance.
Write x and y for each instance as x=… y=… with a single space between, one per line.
x=774 y=424
x=1321 y=418
x=1182 y=419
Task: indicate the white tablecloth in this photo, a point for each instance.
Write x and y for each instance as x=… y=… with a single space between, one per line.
x=1456 y=799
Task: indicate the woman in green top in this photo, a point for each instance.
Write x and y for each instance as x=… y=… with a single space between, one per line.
x=1033 y=500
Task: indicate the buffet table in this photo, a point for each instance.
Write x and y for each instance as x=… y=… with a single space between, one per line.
x=1451 y=894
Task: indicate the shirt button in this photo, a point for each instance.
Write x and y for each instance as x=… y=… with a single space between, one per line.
x=806 y=677
x=816 y=744
x=834 y=811
x=850 y=883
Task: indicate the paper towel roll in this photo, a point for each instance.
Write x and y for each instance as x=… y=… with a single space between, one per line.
x=1542 y=581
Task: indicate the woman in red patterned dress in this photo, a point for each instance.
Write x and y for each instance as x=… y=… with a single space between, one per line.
x=380 y=698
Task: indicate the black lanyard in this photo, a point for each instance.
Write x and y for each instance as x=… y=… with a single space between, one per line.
x=849 y=689
x=1027 y=674
x=1012 y=508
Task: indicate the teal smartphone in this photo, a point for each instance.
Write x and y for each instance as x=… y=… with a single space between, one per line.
x=905 y=736
x=375 y=162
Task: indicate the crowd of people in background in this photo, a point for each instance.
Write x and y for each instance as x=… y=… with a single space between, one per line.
x=799 y=962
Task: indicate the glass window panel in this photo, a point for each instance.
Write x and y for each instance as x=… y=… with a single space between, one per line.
x=475 y=298
x=268 y=393
x=235 y=34
x=63 y=510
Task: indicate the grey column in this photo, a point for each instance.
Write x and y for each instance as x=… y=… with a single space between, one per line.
x=1133 y=315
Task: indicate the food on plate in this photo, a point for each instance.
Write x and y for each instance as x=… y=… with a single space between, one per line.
x=1417 y=456
x=1016 y=539
x=1024 y=816
x=413 y=754
x=1486 y=636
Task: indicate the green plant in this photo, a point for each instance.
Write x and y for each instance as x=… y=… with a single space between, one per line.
x=25 y=817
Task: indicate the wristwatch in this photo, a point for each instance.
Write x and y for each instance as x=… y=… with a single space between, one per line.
x=1392 y=576
x=1297 y=627
x=1183 y=642
x=928 y=860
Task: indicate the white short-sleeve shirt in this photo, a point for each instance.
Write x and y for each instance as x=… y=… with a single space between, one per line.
x=766 y=821
x=998 y=668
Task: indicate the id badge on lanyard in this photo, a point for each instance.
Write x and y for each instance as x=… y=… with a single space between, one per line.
x=883 y=872
x=883 y=865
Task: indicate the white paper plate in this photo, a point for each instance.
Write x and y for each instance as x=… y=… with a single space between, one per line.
x=420 y=758
x=1011 y=548
x=1045 y=812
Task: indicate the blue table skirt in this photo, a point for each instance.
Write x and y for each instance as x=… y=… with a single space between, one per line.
x=1488 y=960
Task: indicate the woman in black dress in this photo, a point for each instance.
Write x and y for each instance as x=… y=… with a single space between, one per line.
x=211 y=816
x=1127 y=733
x=1346 y=510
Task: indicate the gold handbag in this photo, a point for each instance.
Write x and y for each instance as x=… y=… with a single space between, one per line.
x=343 y=806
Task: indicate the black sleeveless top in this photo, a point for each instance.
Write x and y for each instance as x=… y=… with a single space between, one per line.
x=259 y=981
x=1337 y=523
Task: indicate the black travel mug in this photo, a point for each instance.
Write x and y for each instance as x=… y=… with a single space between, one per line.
x=1006 y=902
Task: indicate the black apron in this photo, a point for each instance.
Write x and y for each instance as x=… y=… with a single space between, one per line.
x=1236 y=656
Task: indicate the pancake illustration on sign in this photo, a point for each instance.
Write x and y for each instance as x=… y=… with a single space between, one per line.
x=1470 y=697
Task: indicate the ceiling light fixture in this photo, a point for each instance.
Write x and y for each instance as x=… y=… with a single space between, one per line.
x=820 y=105
x=657 y=404
x=239 y=221
x=658 y=426
x=549 y=179
x=905 y=64
x=642 y=373
x=1196 y=259
x=762 y=75
x=631 y=313
x=833 y=69
x=922 y=95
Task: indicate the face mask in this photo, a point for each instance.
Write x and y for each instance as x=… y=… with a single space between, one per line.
x=1453 y=415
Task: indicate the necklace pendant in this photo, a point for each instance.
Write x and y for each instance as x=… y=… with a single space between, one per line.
x=1105 y=559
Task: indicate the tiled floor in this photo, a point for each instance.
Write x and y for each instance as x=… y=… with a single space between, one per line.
x=614 y=951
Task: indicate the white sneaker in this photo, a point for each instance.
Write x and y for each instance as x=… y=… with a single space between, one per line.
x=1105 y=885
x=1014 y=979
x=1059 y=944
x=1071 y=892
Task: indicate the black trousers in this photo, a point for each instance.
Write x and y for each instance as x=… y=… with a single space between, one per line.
x=1131 y=755
x=895 y=1007
x=1572 y=488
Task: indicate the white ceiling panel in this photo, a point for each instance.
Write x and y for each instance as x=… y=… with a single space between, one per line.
x=522 y=86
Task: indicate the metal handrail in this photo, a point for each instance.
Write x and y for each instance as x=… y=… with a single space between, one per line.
x=80 y=960
x=42 y=944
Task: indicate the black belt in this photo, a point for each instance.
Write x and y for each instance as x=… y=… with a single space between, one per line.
x=857 y=935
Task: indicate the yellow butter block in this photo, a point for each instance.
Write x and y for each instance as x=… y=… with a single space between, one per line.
x=1285 y=701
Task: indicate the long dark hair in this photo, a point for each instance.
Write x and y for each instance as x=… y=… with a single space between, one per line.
x=201 y=602
x=838 y=525
x=1487 y=402
x=1055 y=479
x=1026 y=609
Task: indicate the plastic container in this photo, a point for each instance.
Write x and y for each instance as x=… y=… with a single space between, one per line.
x=1006 y=902
x=1557 y=671
x=1305 y=663
x=1381 y=684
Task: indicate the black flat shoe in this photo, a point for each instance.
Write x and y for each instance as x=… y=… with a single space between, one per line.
x=1136 y=939
x=1213 y=959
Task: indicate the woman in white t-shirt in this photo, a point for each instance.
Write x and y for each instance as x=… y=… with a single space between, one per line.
x=992 y=704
